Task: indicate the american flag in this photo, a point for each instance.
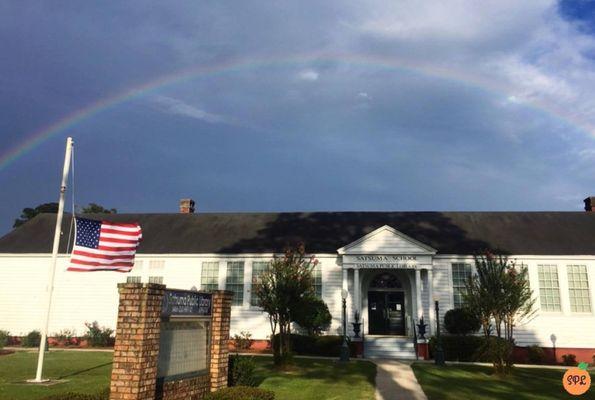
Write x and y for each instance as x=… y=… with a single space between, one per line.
x=104 y=246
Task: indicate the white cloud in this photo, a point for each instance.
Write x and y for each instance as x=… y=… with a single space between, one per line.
x=308 y=75
x=178 y=107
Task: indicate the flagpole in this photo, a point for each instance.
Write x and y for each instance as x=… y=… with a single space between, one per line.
x=52 y=273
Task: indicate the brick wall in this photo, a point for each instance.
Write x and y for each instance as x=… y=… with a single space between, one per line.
x=220 y=338
x=136 y=351
x=137 y=342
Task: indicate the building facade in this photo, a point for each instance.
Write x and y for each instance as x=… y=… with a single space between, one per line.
x=393 y=265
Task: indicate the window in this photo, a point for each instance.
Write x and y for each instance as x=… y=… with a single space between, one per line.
x=578 y=288
x=258 y=267
x=235 y=281
x=209 y=279
x=156 y=279
x=133 y=279
x=549 y=289
x=317 y=275
x=460 y=273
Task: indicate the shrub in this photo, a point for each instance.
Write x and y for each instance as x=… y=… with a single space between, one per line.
x=65 y=337
x=459 y=347
x=243 y=341
x=461 y=321
x=98 y=336
x=241 y=371
x=4 y=336
x=103 y=395
x=313 y=316
x=535 y=354
x=323 y=346
x=32 y=339
x=569 y=360
x=241 y=393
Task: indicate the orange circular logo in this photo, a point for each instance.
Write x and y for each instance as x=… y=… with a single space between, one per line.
x=577 y=380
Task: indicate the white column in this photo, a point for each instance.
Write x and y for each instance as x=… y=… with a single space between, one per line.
x=430 y=302
x=357 y=301
x=418 y=294
x=346 y=288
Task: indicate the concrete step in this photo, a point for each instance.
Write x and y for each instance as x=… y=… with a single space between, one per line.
x=390 y=356
x=388 y=345
x=389 y=348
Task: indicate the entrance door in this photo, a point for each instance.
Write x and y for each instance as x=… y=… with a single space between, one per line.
x=386 y=313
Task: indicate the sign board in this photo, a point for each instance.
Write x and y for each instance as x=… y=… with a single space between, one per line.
x=391 y=261
x=186 y=303
x=183 y=348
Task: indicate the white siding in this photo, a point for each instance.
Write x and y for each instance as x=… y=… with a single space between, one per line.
x=85 y=297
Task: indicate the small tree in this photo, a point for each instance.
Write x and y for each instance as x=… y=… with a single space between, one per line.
x=284 y=285
x=313 y=315
x=499 y=292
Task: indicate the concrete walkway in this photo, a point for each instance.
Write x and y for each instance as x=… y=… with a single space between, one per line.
x=395 y=381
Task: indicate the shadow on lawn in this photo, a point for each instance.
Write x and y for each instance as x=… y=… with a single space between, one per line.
x=85 y=370
x=329 y=371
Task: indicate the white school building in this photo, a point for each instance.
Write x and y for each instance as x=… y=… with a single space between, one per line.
x=394 y=265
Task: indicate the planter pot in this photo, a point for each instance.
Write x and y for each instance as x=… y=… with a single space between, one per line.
x=356 y=328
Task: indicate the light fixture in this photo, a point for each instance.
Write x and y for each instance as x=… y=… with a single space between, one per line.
x=344 y=294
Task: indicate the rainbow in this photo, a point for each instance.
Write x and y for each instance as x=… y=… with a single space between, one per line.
x=70 y=121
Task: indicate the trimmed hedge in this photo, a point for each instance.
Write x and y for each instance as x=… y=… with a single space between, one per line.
x=241 y=393
x=458 y=348
x=468 y=348
x=103 y=395
x=323 y=346
x=241 y=371
x=4 y=336
x=32 y=339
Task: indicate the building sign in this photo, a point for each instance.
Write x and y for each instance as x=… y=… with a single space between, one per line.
x=186 y=303
x=374 y=261
x=183 y=348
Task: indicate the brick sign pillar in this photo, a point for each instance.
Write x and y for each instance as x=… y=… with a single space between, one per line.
x=220 y=338
x=136 y=351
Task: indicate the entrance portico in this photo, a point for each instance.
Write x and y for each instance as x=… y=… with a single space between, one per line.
x=389 y=279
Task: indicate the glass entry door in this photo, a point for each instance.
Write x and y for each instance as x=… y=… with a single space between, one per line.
x=386 y=313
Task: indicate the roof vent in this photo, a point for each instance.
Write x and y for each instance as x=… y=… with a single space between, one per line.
x=187 y=206
x=590 y=204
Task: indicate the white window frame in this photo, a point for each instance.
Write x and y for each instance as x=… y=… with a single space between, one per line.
x=586 y=289
x=456 y=288
x=553 y=268
x=228 y=264
x=209 y=286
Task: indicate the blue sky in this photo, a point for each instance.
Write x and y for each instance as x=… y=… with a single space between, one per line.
x=368 y=105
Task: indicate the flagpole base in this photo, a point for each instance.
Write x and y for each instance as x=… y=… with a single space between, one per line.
x=37 y=380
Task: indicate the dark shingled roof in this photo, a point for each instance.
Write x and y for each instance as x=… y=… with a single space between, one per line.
x=530 y=233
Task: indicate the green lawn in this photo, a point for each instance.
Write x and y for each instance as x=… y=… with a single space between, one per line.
x=318 y=379
x=83 y=372
x=89 y=372
x=457 y=382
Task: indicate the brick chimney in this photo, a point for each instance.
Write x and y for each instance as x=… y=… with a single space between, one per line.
x=590 y=204
x=187 y=206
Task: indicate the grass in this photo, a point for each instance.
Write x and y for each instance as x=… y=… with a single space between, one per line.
x=82 y=372
x=89 y=372
x=318 y=379
x=456 y=382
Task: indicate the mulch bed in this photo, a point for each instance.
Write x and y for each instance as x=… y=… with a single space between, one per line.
x=6 y=352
